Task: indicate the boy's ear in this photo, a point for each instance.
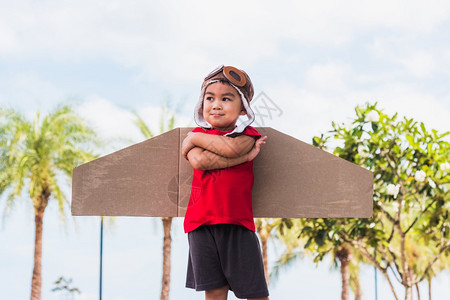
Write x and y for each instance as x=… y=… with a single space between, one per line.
x=243 y=111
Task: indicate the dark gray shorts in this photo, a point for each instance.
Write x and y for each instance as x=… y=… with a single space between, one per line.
x=226 y=254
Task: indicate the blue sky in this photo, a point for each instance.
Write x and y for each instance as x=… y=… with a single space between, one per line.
x=316 y=62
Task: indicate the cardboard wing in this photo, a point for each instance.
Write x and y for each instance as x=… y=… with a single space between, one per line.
x=292 y=179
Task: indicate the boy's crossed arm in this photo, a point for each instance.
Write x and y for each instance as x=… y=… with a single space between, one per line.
x=221 y=145
x=208 y=152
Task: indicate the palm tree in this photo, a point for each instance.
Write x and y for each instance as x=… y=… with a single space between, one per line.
x=349 y=263
x=167 y=221
x=343 y=254
x=264 y=228
x=296 y=247
x=422 y=253
x=354 y=265
x=293 y=245
x=34 y=156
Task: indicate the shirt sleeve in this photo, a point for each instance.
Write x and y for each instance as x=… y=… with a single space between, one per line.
x=251 y=131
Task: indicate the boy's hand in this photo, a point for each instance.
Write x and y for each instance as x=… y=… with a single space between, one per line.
x=256 y=148
x=187 y=144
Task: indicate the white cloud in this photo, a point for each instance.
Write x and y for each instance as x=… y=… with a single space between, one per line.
x=306 y=112
x=409 y=101
x=331 y=92
x=115 y=125
x=328 y=77
x=27 y=89
x=109 y=121
x=420 y=64
x=417 y=60
x=8 y=38
x=171 y=44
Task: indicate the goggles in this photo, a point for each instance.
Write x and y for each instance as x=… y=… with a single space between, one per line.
x=234 y=75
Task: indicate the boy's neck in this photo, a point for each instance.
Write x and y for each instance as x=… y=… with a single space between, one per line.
x=225 y=129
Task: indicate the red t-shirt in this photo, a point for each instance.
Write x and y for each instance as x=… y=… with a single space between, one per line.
x=222 y=196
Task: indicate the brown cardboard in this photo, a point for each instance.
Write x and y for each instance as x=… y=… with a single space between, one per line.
x=292 y=179
x=140 y=180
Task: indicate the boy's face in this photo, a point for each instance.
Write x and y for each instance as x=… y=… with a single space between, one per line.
x=222 y=106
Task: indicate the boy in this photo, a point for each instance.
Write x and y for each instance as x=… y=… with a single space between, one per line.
x=224 y=251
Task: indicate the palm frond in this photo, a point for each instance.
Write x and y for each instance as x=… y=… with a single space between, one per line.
x=57 y=194
x=143 y=127
x=284 y=262
x=32 y=152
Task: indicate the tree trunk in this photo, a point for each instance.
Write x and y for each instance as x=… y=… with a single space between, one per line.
x=167 y=247
x=408 y=292
x=385 y=274
x=264 y=255
x=264 y=237
x=429 y=289
x=358 y=295
x=408 y=286
x=344 y=255
x=36 y=281
x=358 y=291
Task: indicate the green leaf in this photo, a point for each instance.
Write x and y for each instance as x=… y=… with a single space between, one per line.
x=444 y=135
x=308 y=242
x=320 y=238
x=306 y=229
x=410 y=140
x=422 y=126
x=374 y=126
x=315 y=141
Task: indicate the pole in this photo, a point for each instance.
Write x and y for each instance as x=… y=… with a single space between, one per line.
x=101 y=257
x=376 y=279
